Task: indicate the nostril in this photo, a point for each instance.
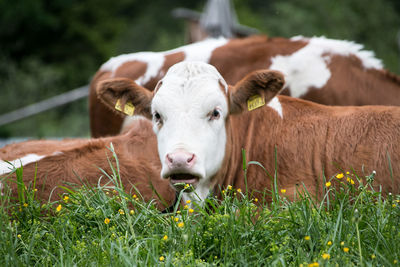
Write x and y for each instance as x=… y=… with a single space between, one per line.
x=169 y=158
x=190 y=158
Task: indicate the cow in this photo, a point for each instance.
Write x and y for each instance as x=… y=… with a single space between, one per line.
x=202 y=124
x=62 y=162
x=326 y=71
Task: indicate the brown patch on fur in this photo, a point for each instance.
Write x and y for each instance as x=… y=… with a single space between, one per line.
x=111 y=90
x=131 y=69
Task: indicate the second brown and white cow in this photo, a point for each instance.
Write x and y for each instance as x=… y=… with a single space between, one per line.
x=202 y=124
x=326 y=71
x=66 y=162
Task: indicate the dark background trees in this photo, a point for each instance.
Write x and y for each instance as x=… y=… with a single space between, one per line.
x=52 y=46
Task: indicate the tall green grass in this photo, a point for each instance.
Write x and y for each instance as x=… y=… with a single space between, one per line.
x=95 y=226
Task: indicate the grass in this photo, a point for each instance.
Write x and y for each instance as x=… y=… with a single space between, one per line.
x=352 y=225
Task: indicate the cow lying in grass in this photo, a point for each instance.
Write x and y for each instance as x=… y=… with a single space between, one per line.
x=59 y=163
x=326 y=71
x=202 y=124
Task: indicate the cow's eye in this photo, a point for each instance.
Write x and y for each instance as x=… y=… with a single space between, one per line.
x=215 y=114
x=157 y=117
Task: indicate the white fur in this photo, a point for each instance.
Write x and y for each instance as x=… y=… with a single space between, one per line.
x=275 y=104
x=6 y=167
x=308 y=68
x=189 y=93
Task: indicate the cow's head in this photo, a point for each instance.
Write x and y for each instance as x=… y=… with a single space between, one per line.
x=189 y=108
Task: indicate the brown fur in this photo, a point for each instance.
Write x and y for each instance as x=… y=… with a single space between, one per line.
x=350 y=83
x=136 y=151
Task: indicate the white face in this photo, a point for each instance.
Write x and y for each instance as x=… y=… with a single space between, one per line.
x=189 y=111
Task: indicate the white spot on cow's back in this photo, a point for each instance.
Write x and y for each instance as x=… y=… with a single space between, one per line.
x=275 y=104
x=308 y=68
x=154 y=61
x=7 y=167
x=200 y=51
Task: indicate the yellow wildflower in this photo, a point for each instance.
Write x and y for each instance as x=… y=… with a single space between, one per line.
x=162 y=258
x=329 y=243
x=19 y=236
x=106 y=221
x=58 y=208
x=178 y=212
x=121 y=212
x=397 y=200
x=66 y=198
x=185 y=207
x=188 y=201
x=115 y=191
x=314 y=264
x=134 y=196
x=181 y=224
x=326 y=256
x=328 y=184
x=239 y=190
x=395 y=261
x=186 y=186
x=346 y=249
x=339 y=176
x=283 y=191
x=191 y=210
x=176 y=219
x=223 y=191
x=307 y=237
x=132 y=212
x=373 y=256
x=25 y=205
x=347 y=173
x=256 y=200
x=229 y=187
x=342 y=243
x=165 y=237
x=35 y=189
x=394 y=205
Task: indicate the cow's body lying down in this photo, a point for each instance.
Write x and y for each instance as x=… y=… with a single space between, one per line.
x=201 y=127
x=331 y=72
x=61 y=162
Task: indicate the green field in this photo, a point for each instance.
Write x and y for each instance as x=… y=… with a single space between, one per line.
x=352 y=225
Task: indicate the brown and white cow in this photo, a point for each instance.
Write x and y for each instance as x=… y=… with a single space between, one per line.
x=322 y=70
x=60 y=163
x=202 y=124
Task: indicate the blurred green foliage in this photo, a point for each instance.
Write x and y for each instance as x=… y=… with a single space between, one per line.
x=52 y=46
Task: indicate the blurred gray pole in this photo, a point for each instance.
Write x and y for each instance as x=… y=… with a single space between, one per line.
x=44 y=105
x=218 y=18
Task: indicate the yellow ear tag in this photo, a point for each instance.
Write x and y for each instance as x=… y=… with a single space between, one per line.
x=129 y=108
x=254 y=102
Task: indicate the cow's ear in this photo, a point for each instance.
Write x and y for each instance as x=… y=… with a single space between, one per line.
x=125 y=97
x=255 y=90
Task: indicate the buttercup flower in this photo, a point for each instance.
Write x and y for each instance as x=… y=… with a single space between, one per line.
x=162 y=258
x=340 y=176
x=328 y=184
x=181 y=224
x=58 y=208
x=283 y=191
x=106 y=221
x=326 y=256
x=346 y=249
x=165 y=237
x=191 y=210
x=307 y=237
x=329 y=243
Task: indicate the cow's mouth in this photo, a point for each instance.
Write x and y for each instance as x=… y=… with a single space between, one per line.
x=183 y=181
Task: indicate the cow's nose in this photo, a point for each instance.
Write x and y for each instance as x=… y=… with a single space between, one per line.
x=180 y=160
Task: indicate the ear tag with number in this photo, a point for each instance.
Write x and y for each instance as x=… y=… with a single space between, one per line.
x=129 y=108
x=254 y=102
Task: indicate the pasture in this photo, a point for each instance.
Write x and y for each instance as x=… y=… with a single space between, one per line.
x=352 y=225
